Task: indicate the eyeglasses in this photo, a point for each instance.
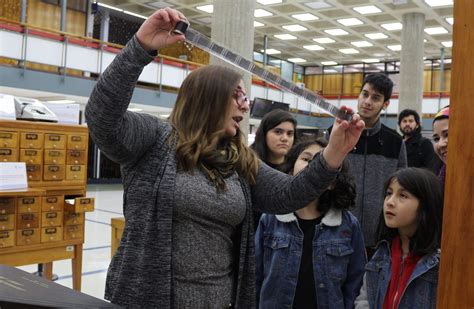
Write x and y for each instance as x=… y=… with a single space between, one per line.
x=240 y=97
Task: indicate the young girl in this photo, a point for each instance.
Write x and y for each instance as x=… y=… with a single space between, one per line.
x=314 y=257
x=403 y=273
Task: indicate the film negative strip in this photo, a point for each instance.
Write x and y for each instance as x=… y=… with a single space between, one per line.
x=198 y=39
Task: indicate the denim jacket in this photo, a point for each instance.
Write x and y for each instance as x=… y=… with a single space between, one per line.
x=338 y=260
x=421 y=288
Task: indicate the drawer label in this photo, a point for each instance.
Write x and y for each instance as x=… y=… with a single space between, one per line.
x=76 y=138
x=28 y=201
x=31 y=152
x=5 y=152
x=3 y=218
x=51 y=230
x=53 y=168
x=75 y=168
x=51 y=215
x=31 y=136
x=6 y=135
x=54 y=153
x=54 y=138
x=27 y=232
x=32 y=168
x=4 y=235
x=51 y=200
x=85 y=201
x=27 y=217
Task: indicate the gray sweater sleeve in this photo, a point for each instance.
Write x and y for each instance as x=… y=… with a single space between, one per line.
x=279 y=193
x=122 y=135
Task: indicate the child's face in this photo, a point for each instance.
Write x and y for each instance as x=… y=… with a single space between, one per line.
x=400 y=209
x=306 y=156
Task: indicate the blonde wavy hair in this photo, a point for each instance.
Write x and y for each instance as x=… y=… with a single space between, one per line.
x=199 y=118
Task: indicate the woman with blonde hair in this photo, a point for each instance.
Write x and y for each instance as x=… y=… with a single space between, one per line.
x=190 y=184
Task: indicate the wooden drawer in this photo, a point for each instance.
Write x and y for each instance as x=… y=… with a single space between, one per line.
x=77 y=141
x=7 y=239
x=27 y=237
x=29 y=204
x=31 y=140
x=33 y=171
x=50 y=203
x=27 y=220
x=73 y=232
x=31 y=156
x=73 y=218
x=76 y=172
x=53 y=172
x=54 y=156
x=51 y=218
x=7 y=222
x=8 y=155
x=54 y=141
x=49 y=234
x=76 y=157
x=8 y=139
x=7 y=205
x=79 y=204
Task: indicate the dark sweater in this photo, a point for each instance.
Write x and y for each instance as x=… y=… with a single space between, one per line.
x=140 y=274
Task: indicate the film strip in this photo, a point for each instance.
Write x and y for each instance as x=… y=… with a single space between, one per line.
x=198 y=39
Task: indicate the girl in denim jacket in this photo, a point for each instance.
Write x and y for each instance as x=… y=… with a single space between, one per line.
x=403 y=273
x=314 y=257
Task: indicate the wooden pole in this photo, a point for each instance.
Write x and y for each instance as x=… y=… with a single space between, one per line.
x=456 y=277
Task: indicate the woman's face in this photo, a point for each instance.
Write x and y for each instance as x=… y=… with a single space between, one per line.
x=279 y=141
x=235 y=114
x=440 y=138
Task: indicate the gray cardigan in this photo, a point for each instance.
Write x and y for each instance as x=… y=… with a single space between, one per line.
x=140 y=273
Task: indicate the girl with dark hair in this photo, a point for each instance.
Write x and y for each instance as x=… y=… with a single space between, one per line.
x=313 y=257
x=406 y=263
x=274 y=138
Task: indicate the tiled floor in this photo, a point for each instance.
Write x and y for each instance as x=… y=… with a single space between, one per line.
x=96 y=255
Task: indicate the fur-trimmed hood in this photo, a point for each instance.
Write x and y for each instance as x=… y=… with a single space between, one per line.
x=332 y=218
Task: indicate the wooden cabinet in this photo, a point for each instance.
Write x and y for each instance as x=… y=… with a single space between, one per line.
x=46 y=222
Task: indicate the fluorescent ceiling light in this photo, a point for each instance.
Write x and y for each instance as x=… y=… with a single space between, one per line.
x=392 y=26
x=318 y=5
x=257 y=24
x=294 y=28
x=362 y=44
x=109 y=7
x=448 y=44
x=262 y=13
x=285 y=36
x=434 y=3
x=436 y=30
x=395 y=47
x=313 y=47
x=376 y=35
x=206 y=8
x=271 y=51
x=328 y=63
x=368 y=9
x=370 y=60
x=330 y=71
x=350 y=21
x=349 y=51
x=305 y=16
x=267 y=2
x=61 y=101
x=134 y=109
x=135 y=14
x=336 y=32
x=323 y=40
x=296 y=60
x=450 y=20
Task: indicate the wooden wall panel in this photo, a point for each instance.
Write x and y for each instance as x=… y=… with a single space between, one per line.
x=456 y=279
x=193 y=54
x=436 y=82
x=352 y=83
x=427 y=81
x=332 y=84
x=10 y=9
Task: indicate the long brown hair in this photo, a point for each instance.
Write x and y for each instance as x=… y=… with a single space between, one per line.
x=199 y=117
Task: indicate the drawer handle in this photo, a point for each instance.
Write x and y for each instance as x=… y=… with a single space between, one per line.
x=75 y=176
x=3 y=227
x=28 y=225
x=54 y=161
x=54 y=146
x=54 y=176
x=52 y=207
x=3 y=211
x=29 y=209
x=27 y=240
x=31 y=145
x=51 y=222
x=51 y=238
x=5 y=160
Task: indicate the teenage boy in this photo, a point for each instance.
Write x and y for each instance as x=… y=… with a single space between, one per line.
x=420 y=151
x=379 y=152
